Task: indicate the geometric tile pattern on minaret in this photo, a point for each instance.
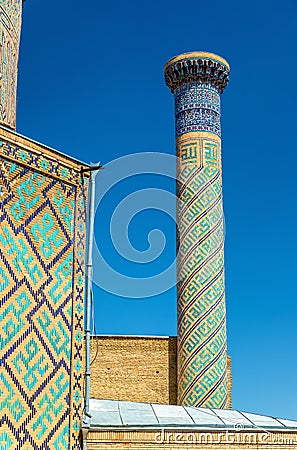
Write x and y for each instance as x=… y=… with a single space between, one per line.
x=196 y=80
x=10 y=30
x=42 y=241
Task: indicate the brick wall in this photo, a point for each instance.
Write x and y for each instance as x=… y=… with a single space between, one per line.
x=179 y=439
x=140 y=369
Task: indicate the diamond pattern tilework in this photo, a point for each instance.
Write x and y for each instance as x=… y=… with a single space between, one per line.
x=41 y=303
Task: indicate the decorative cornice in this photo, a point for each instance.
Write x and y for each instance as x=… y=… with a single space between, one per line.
x=197 y=67
x=27 y=153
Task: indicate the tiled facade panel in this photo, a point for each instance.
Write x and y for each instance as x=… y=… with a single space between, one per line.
x=41 y=301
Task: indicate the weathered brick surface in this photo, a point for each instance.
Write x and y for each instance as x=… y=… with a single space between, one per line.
x=140 y=369
x=180 y=439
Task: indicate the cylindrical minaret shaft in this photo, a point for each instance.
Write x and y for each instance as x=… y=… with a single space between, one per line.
x=197 y=80
x=10 y=31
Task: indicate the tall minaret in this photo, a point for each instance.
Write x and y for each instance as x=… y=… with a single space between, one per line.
x=197 y=80
x=10 y=31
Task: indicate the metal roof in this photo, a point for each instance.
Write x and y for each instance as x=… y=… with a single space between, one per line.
x=115 y=414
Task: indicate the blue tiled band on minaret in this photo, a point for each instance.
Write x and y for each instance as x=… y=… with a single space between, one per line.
x=197 y=108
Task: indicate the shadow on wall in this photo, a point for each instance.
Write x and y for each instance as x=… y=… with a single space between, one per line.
x=172 y=363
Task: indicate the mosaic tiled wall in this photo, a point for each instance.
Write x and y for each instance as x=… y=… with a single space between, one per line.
x=10 y=29
x=196 y=81
x=42 y=242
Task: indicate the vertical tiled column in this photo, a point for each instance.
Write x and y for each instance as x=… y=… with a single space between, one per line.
x=197 y=80
x=10 y=30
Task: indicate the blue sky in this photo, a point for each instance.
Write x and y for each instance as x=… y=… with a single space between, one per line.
x=91 y=85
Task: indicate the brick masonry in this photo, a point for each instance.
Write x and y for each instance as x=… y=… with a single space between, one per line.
x=179 y=439
x=140 y=369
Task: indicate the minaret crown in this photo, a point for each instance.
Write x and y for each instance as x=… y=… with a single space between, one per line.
x=197 y=67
